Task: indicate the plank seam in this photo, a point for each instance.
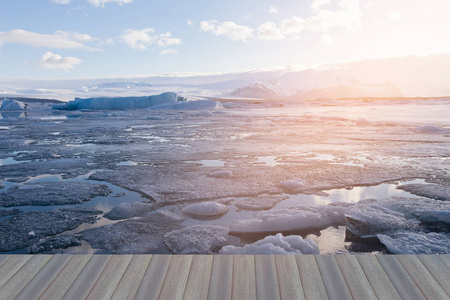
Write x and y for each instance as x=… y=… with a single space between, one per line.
x=300 y=277
x=348 y=285
x=1 y=263
x=34 y=274
x=56 y=276
x=418 y=286
x=187 y=278
x=29 y=257
x=406 y=273
x=99 y=276
x=165 y=276
x=321 y=276
x=68 y=288
x=432 y=275
x=126 y=269
x=232 y=274
x=278 y=278
x=443 y=261
x=365 y=274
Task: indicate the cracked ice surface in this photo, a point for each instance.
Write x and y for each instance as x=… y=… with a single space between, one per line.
x=261 y=151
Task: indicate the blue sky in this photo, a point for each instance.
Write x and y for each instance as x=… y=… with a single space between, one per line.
x=99 y=38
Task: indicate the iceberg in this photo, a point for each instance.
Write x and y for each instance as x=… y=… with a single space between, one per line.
x=12 y=105
x=367 y=220
x=119 y=103
x=275 y=244
x=197 y=239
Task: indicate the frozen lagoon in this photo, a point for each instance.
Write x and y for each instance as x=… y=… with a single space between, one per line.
x=302 y=166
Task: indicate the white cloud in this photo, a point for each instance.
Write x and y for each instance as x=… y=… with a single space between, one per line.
x=168 y=51
x=232 y=30
x=347 y=15
x=273 y=9
x=189 y=22
x=316 y=5
x=61 y=1
x=55 y=61
x=60 y=39
x=98 y=3
x=269 y=32
x=142 y=39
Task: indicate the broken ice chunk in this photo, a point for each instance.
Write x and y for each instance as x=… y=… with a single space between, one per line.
x=298 y=218
x=292 y=186
x=417 y=243
x=367 y=220
x=275 y=244
x=206 y=209
x=198 y=239
x=221 y=174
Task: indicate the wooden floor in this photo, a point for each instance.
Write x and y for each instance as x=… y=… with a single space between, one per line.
x=224 y=277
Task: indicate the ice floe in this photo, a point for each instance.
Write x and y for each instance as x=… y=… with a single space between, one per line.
x=433 y=191
x=134 y=236
x=202 y=105
x=417 y=243
x=28 y=228
x=130 y=209
x=275 y=244
x=52 y=193
x=57 y=242
x=260 y=202
x=205 y=209
x=221 y=174
x=197 y=239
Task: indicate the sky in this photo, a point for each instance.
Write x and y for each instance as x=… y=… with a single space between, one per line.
x=101 y=38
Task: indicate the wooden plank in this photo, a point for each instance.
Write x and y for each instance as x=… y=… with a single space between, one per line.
x=312 y=282
x=220 y=285
x=446 y=259
x=332 y=277
x=198 y=281
x=439 y=270
x=11 y=266
x=244 y=281
x=132 y=278
x=66 y=277
x=154 y=277
x=110 y=277
x=288 y=277
x=356 y=280
x=43 y=278
x=423 y=279
x=24 y=275
x=399 y=277
x=176 y=278
x=377 y=277
x=81 y=287
x=3 y=258
x=266 y=277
